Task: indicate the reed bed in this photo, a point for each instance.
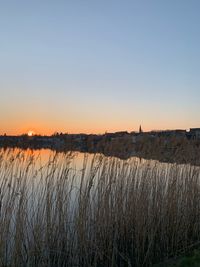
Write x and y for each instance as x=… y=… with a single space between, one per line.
x=108 y=213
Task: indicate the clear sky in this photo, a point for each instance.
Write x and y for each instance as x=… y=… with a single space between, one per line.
x=96 y=66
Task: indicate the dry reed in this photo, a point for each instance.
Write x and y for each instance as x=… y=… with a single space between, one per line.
x=109 y=213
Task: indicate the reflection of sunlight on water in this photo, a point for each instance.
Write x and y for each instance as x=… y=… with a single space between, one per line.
x=33 y=168
x=37 y=163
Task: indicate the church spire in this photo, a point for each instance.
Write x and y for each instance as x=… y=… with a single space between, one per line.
x=140 y=129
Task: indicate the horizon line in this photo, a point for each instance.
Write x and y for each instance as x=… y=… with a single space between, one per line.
x=106 y=132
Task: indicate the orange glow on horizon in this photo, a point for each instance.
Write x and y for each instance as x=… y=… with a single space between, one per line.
x=34 y=128
x=31 y=133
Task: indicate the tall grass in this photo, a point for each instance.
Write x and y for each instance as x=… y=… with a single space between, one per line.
x=109 y=213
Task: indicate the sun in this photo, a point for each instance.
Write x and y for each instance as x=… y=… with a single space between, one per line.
x=31 y=133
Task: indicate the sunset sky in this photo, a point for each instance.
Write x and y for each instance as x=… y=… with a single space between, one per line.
x=96 y=66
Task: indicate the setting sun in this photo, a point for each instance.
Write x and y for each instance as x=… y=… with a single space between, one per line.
x=31 y=133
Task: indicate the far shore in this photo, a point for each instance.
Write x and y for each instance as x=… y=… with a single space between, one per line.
x=174 y=146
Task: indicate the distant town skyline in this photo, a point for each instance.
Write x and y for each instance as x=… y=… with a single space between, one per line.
x=97 y=66
x=31 y=132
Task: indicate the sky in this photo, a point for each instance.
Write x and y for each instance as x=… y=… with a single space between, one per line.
x=95 y=66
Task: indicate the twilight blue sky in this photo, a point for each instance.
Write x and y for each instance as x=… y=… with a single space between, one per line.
x=96 y=66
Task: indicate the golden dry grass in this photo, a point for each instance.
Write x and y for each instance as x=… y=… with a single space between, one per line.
x=111 y=213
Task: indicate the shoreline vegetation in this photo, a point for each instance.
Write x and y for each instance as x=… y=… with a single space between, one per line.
x=111 y=212
x=176 y=146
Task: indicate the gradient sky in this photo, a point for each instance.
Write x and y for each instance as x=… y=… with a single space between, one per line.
x=96 y=66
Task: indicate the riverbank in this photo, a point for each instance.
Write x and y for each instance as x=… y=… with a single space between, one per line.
x=174 y=148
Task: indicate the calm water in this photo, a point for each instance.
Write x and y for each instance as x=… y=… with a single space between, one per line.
x=32 y=171
x=38 y=164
